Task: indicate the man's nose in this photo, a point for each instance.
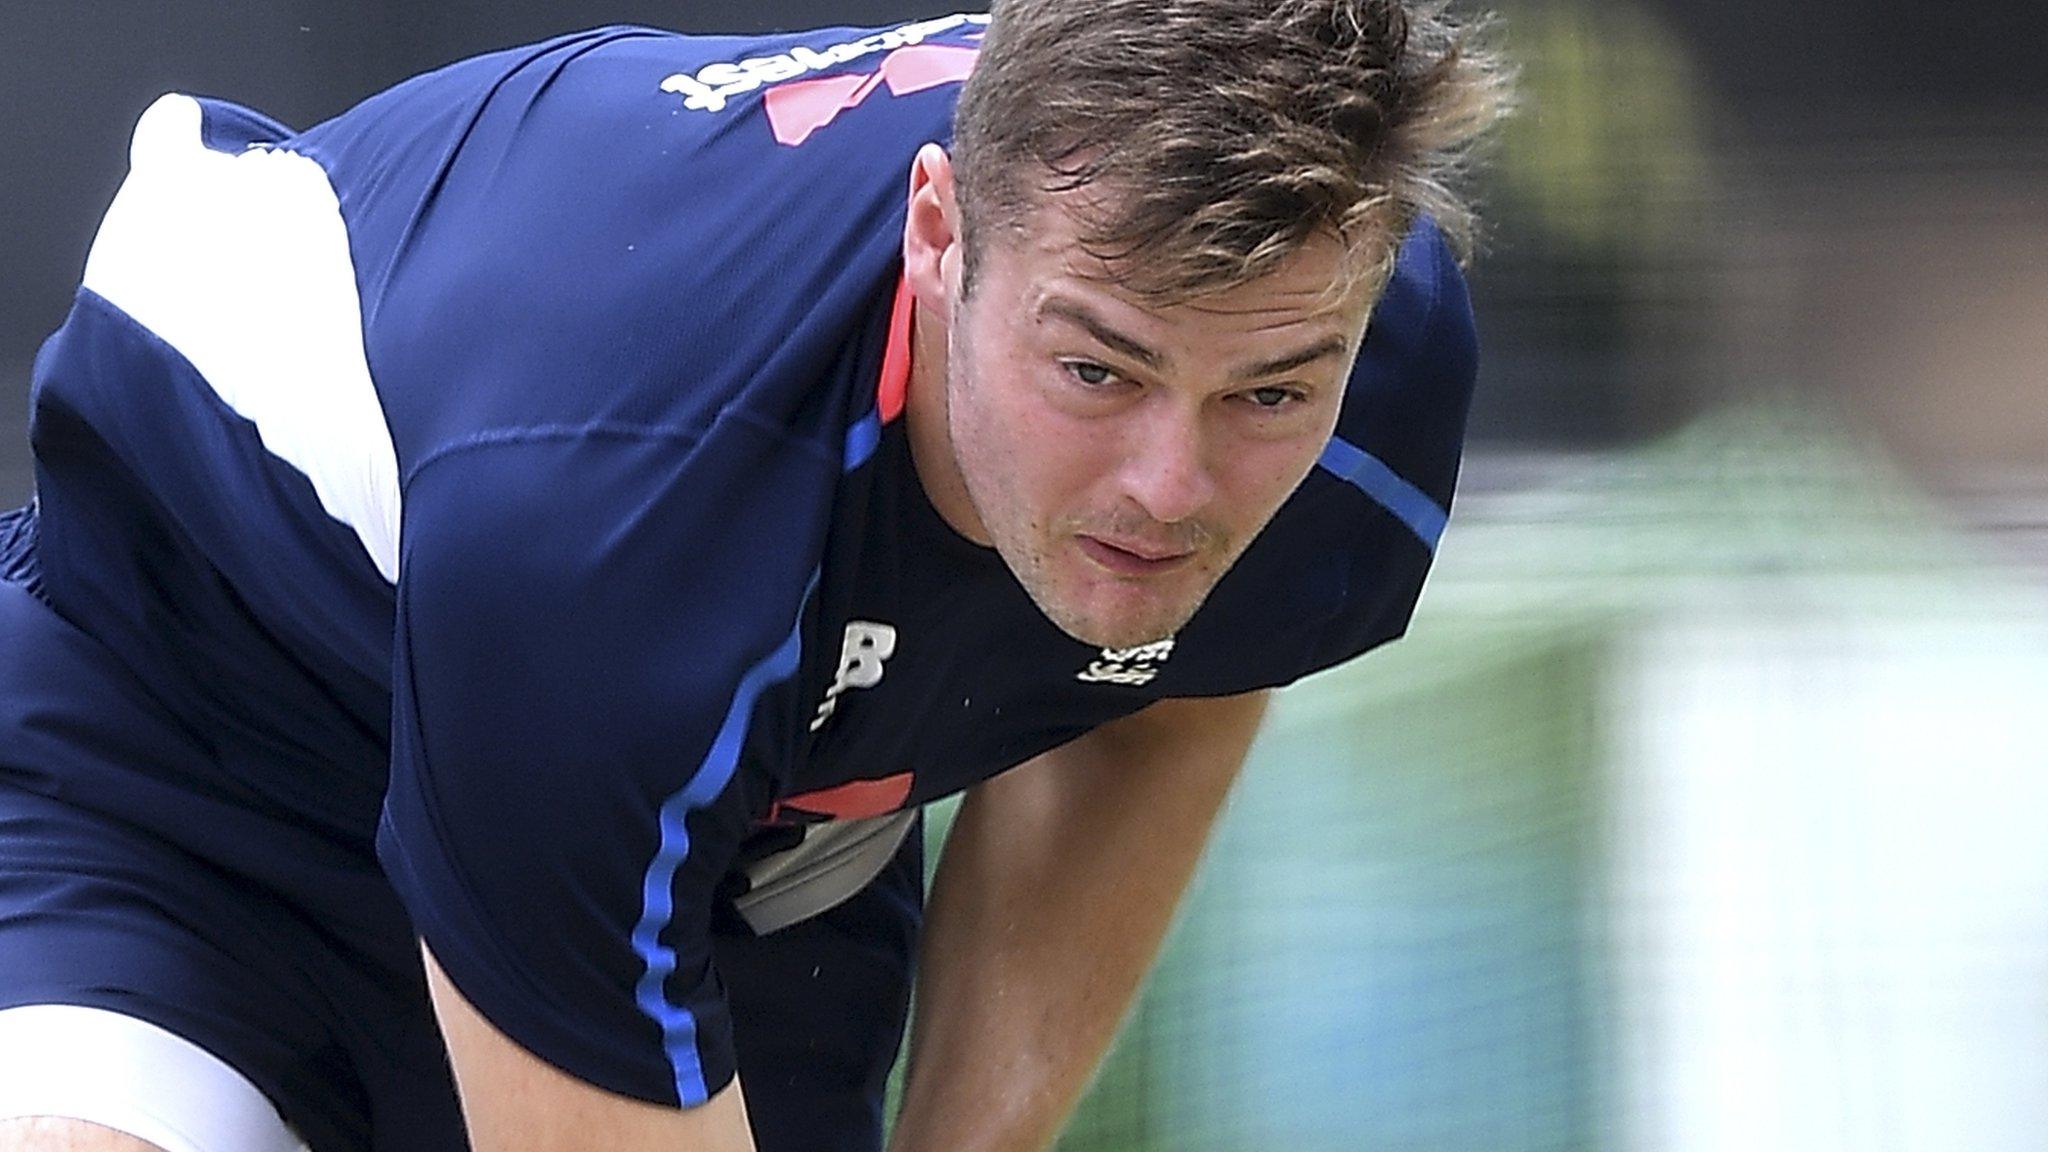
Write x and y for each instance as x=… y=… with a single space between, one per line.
x=1167 y=472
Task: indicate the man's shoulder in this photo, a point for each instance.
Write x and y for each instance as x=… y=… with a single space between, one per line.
x=606 y=107
x=634 y=225
x=1402 y=431
x=1426 y=310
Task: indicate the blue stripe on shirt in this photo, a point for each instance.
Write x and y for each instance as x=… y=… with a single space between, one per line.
x=1370 y=475
x=657 y=888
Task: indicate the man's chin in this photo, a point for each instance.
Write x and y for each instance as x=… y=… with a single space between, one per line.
x=1102 y=610
x=1113 y=640
x=1109 y=627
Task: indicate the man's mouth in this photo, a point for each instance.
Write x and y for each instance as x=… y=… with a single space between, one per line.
x=1133 y=558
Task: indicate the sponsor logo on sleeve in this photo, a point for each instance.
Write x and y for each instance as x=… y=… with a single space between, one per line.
x=909 y=66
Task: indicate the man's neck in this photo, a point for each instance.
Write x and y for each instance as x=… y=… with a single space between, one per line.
x=931 y=445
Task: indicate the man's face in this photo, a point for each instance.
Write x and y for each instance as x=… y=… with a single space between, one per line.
x=1121 y=456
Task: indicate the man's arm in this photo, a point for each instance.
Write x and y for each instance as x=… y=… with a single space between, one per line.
x=1056 y=887
x=515 y=1102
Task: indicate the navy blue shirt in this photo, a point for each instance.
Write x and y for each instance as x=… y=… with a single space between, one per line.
x=511 y=470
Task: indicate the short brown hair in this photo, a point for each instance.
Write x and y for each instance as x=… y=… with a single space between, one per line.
x=1226 y=133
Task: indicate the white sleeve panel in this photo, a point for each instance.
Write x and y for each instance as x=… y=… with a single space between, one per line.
x=240 y=262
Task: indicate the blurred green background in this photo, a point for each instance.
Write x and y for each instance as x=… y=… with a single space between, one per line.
x=1706 y=804
x=1703 y=808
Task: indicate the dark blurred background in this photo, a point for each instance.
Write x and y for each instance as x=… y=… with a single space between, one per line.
x=1706 y=806
x=1704 y=200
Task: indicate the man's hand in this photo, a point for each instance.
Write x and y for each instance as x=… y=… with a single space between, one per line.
x=514 y=1102
x=1056 y=887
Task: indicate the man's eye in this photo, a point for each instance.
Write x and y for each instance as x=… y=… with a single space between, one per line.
x=1273 y=396
x=1090 y=373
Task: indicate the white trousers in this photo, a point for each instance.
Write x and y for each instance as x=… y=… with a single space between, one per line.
x=122 y=1073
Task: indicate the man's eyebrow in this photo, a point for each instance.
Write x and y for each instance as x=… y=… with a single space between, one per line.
x=1100 y=329
x=1109 y=337
x=1321 y=349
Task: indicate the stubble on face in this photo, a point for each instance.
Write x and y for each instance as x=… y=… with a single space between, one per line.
x=1049 y=552
x=1110 y=610
x=1063 y=488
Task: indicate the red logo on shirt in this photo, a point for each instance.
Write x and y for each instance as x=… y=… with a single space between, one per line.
x=796 y=110
x=857 y=800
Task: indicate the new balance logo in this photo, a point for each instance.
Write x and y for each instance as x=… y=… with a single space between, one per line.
x=1128 y=666
x=867 y=644
x=797 y=110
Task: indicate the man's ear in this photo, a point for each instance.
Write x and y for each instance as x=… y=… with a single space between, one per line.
x=932 y=249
